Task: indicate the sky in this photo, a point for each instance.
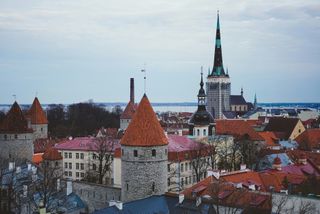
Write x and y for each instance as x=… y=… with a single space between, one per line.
x=67 y=51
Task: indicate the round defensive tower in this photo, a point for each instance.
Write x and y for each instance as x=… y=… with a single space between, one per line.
x=144 y=157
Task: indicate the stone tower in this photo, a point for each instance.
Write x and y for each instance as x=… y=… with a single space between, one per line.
x=144 y=157
x=218 y=82
x=16 y=138
x=201 y=122
x=37 y=120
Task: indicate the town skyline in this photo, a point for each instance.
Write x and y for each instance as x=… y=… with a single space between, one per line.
x=88 y=51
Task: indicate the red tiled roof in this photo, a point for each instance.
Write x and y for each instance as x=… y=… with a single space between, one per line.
x=85 y=144
x=270 y=138
x=42 y=144
x=52 y=154
x=37 y=158
x=129 y=111
x=14 y=121
x=309 y=139
x=237 y=128
x=144 y=129
x=246 y=178
x=313 y=157
x=36 y=113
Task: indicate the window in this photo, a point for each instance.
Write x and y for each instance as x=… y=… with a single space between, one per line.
x=135 y=153
x=5 y=136
x=15 y=136
x=204 y=132
x=127 y=186
x=41 y=129
x=186 y=180
x=77 y=165
x=65 y=155
x=194 y=179
x=198 y=132
x=182 y=182
x=94 y=167
x=82 y=174
x=166 y=151
x=94 y=156
x=190 y=166
x=190 y=179
x=153 y=152
x=70 y=173
x=77 y=155
x=66 y=173
x=81 y=155
x=56 y=163
x=168 y=180
x=186 y=166
x=181 y=167
x=168 y=167
x=77 y=174
x=153 y=186
x=70 y=155
x=65 y=165
x=82 y=166
x=70 y=165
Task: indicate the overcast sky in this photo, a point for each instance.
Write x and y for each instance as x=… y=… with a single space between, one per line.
x=74 y=50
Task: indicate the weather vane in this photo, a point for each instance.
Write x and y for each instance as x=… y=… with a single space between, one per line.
x=145 y=77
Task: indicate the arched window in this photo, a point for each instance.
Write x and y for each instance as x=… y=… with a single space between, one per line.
x=204 y=132
x=198 y=132
x=153 y=152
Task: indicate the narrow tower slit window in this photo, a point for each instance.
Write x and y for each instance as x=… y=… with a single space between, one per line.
x=135 y=153
x=153 y=152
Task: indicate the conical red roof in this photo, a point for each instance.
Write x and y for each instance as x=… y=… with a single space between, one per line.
x=14 y=121
x=277 y=160
x=52 y=154
x=36 y=113
x=129 y=111
x=144 y=129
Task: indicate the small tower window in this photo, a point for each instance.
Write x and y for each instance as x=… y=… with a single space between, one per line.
x=15 y=136
x=153 y=186
x=204 y=132
x=153 y=152
x=135 y=153
x=127 y=186
x=198 y=132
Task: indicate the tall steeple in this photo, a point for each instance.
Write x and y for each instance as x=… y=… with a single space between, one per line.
x=255 y=103
x=202 y=93
x=218 y=69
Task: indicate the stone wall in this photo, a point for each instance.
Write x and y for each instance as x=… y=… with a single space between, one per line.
x=40 y=130
x=144 y=175
x=96 y=196
x=18 y=146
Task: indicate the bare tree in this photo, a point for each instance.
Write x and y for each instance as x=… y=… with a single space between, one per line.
x=102 y=159
x=248 y=149
x=198 y=159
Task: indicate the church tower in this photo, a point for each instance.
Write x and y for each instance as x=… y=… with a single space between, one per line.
x=144 y=155
x=218 y=83
x=201 y=122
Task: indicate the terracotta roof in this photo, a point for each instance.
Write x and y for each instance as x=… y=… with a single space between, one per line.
x=36 y=113
x=270 y=138
x=42 y=144
x=129 y=111
x=309 y=139
x=14 y=121
x=37 y=158
x=144 y=129
x=52 y=154
x=277 y=160
x=313 y=157
x=246 y=178
x=282 y=125
x=86 y=144
x=237 y=128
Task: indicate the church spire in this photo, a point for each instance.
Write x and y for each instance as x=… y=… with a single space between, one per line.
x=255 y=103
x=202 y=93
x=218 y=64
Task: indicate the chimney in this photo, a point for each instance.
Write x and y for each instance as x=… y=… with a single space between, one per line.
x=69 y=187
x=243 y=167
x=132 y=90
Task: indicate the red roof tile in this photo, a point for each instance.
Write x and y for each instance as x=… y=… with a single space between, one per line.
x=270 y=138
x=129 y=111
x=36 y=113
x=246 y=178
x=52 y=154
x=282 y=125
x=309 y=139
x=277 y=160
x=37 y=158
x=237 y=128
x=14 y=121
x=144 y=129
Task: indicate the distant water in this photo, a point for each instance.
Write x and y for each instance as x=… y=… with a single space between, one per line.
x=182 y=107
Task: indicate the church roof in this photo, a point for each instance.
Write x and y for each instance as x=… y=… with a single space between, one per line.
x=237 y=100
x=14 y=121
x=36 y=113
x=144 y=129
x=201 y=117
x=51 y=154
x=129 y=111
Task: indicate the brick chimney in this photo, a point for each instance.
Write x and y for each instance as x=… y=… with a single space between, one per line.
x=132 y=90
